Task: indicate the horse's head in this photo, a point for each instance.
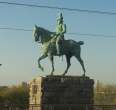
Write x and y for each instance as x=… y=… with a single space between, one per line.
x=41 y=35
x=36 y=33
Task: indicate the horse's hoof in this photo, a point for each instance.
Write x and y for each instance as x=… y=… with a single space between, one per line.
x=51 y=74
x=83 y=75
x=63 y=74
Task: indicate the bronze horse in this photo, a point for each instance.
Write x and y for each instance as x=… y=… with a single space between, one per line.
x=69 y=48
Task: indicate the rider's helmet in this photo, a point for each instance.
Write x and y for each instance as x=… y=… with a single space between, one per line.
x=60 y=17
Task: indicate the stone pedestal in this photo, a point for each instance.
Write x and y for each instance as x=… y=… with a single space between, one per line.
x=61 y=93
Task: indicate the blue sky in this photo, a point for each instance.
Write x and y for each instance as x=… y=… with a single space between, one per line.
x=19 y=52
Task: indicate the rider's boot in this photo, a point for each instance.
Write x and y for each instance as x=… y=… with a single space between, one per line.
x=58 y=49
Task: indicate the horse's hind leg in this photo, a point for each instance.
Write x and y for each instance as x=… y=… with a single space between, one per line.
x=81 y=62
x=40 y=58
x=68 y=64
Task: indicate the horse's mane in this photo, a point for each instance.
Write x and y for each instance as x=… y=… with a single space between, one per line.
x=46 y=30
x=45 y=34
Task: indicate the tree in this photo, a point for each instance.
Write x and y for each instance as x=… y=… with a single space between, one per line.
x=17 y=96
x=105 y=94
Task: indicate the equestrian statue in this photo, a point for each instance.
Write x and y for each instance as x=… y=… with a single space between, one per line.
x=54 y=44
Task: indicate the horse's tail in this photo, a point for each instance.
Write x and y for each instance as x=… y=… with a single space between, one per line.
x=80 y=42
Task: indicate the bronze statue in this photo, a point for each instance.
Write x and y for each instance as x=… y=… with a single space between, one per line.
x=60 y=30
x=69 y=48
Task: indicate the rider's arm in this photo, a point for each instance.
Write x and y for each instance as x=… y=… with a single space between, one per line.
x=57 y=29
x=64 y=29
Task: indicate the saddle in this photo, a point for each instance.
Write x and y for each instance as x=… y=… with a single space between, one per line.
x=55 y=36
x=60 y=42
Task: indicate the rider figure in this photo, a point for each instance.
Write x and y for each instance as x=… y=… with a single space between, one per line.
x=60 y=30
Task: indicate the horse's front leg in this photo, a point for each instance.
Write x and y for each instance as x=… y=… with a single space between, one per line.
x=40 y=58
x=52 y=62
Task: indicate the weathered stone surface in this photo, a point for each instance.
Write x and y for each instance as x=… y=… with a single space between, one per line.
x=63 y=92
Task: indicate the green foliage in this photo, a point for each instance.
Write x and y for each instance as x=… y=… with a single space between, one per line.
x=105 y=94
x=15 y=95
